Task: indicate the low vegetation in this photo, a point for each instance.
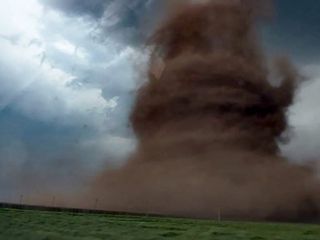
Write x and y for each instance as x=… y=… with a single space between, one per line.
x=41 y=225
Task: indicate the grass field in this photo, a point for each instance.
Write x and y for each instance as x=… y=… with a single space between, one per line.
x=40 y=225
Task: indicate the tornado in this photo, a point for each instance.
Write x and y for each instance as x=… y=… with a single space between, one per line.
x=208 y=122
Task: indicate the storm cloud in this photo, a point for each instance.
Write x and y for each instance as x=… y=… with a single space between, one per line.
x=129 y=21
x=64 y=100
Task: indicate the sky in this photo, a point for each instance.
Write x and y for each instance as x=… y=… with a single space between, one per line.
x=69 y=70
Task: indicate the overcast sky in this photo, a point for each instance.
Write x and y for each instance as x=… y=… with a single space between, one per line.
x=68 y=72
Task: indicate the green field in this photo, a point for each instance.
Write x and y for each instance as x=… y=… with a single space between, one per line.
x=36 y=225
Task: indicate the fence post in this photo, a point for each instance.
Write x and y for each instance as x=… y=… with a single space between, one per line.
x=96 y=204
x=21 y=199
x=53 y=201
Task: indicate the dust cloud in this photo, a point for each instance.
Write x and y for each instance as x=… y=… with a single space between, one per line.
x=208 y=123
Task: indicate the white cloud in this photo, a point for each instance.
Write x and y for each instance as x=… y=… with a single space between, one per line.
x=304 y=118
x=56 y=75
x=20 y=17
x=57 y=71
x=65 y=47
x=43 y=92
x=53 y=70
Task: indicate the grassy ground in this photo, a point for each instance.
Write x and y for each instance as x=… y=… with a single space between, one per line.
x=37 y=225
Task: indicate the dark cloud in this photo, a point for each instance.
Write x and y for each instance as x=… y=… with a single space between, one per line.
x=129 y=21
x=296 y=30
x=93 y=8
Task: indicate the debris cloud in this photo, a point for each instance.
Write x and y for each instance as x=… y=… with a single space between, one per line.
x=208 y=122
